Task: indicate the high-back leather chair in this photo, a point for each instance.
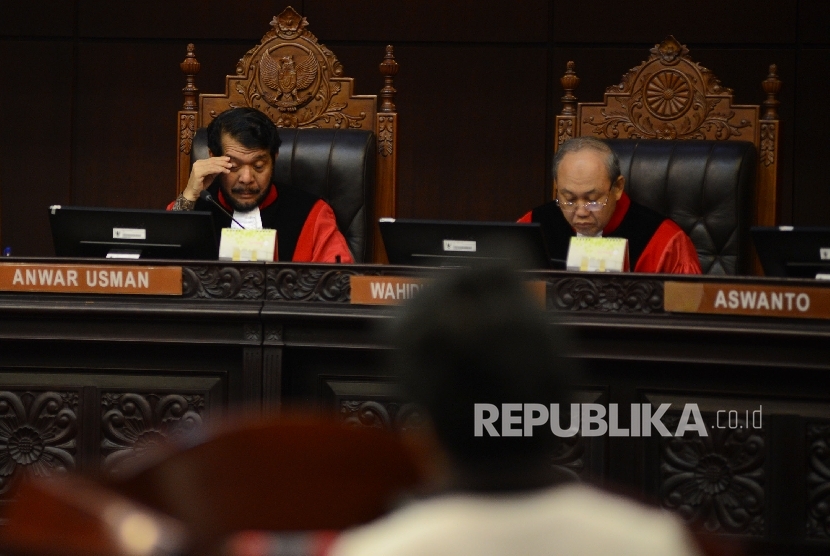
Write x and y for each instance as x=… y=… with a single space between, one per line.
x=687 y=151
x=704 y=186
x=338 y=145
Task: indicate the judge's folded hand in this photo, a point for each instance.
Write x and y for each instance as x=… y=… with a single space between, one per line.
x=203 y=173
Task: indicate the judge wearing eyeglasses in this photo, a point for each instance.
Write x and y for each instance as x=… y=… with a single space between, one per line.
x=591 y=201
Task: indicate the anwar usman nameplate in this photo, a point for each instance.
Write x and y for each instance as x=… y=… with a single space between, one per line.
x=83 y=278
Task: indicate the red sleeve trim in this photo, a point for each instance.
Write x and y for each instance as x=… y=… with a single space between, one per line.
x=320 y=240
x=304 y=250
x=670 y=251
x=526 y=219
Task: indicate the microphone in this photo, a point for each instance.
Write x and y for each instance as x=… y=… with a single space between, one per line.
x=205 y=196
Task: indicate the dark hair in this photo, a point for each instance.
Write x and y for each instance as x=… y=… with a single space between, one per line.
x=249 y=126
x=612 y=163
x=476 y=336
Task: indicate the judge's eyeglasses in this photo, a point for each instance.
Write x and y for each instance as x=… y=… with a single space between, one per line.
x=592 y=206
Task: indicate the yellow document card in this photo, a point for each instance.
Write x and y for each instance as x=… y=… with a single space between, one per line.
x=598 y=254
x=247 y=245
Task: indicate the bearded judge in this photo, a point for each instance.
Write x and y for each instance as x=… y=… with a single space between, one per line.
x=243 y=144
x=591 y=201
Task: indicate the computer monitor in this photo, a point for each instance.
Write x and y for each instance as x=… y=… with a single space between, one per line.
x=453 y=243
x=132 y=233
x=786 y=251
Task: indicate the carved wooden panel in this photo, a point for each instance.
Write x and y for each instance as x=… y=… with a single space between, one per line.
x=223 y=282
x=309 y=284
x=606 y=295
x=389 y=414
x=322 y=283
x=134 y=424
x=295 y=80
x=372 y=404
x=38 y=434
x=818 y=480
x=719 y=480
x=669 y=97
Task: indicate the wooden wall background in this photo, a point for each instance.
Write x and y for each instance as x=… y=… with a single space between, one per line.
x=90 y=90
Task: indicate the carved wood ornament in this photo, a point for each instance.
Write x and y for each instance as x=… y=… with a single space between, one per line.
x=669 y=96
x=38 y=435
x=717 y=481
x=294 y=79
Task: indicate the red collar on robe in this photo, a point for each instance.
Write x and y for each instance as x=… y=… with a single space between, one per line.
x=268 y=200
x=619 y=213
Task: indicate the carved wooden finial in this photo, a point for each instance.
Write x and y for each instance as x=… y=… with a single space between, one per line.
x=771 y=85
x=190 y=66
x=388 y=68
x=569 y=82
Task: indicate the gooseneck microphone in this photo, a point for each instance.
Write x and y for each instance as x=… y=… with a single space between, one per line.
x=205 y=196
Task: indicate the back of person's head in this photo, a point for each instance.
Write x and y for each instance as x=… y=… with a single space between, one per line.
x=250 y=127
x=477 y=337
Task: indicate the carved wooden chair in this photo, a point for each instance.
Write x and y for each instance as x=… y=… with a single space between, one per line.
x=687 y=151
x=299 y=84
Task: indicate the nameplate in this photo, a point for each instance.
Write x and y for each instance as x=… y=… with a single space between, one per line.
x=394 y=290
x=746 y=299
x=104 y=279
x=598 y=254
x=384 y=290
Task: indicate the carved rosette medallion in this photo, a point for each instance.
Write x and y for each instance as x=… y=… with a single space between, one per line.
x=216 y=282
x=251 y=331
x=818 y=480
x=668 y=94
x=308 y=284
x=717 y=480
x=38 y=432
x=668 y=97
x=388 y=415
x=606 y=295
x=136 y=424
x=273 y=333
x=294 y=79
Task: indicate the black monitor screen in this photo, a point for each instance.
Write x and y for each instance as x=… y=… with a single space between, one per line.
x=451 y=243
x=786 y=251
x=132 y=233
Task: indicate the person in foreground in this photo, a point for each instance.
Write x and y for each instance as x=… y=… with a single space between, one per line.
x=243 y=145
x=477 y=338
x=591 y=201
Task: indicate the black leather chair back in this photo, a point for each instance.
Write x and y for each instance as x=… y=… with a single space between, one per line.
x=704 y=186
x=334 y=164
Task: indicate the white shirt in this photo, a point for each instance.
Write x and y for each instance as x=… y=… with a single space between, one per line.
x=569 y=520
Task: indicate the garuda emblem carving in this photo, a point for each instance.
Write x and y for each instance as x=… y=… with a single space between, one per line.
x=288 y=78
